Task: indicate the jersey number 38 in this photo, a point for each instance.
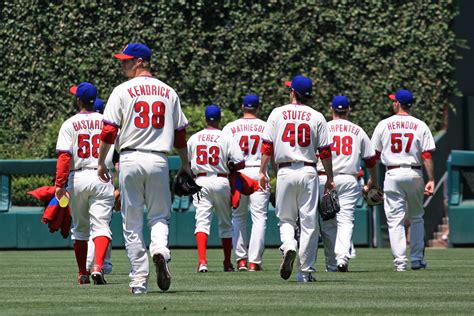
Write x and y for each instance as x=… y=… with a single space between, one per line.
x=157 y=117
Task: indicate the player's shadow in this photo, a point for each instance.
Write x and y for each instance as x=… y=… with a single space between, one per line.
x=175 y=292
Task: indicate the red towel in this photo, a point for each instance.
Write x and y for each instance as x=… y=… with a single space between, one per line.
x=241 y=184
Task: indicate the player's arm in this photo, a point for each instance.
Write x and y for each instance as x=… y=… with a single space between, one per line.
x=237 y=160
x=370 y=160
x=429 y=166
x=324 y=148
x=182 y=147
x=428 y=146
x=267 y=153
x=63 y=164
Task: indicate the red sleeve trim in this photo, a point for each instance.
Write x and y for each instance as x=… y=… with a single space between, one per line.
x=267 y=149
x=110 y=123
x=182 y=127
x=426 y=155
x=377 y=154
x=325 y=152
x=109 y=133
x=180 y=138
x=370 y=162
x=62 y=169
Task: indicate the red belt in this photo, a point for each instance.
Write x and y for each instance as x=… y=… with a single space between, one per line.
x=204 y=174
x=395 y=167
x=288 y=164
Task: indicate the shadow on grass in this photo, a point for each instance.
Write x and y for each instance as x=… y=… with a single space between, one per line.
x=157 y=292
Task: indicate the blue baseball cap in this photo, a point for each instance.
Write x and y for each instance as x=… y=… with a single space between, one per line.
x=251 y=101
x=340 y=102
x=134 y=50
x=302 y=85
x=85 y=91
x=213 y=112
x=99 y=105
x=403 y=96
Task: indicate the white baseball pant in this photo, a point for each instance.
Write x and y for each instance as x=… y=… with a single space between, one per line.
x=215 y=194
x=258 y=203
x=144 y=182
x=297 y=194
x=403 y=196
x=91 y=203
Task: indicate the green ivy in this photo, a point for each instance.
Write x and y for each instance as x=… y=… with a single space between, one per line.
x=217 y=51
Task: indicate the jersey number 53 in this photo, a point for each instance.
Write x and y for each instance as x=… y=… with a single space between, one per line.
x=206 y=156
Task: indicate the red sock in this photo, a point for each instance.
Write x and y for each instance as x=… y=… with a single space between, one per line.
x=80 y=249
x=101 y=243
x=201 y=240
x=227 y=246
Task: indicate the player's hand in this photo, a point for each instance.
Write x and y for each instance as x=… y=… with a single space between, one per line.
x=429 y=188
x=371 y=184
x=330 y=185
x=103 y=173
x=263 y=182
x=60 y=192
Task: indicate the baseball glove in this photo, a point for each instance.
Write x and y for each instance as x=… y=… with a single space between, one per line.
x=329 y=205
x=184 y=184
x=373 y=196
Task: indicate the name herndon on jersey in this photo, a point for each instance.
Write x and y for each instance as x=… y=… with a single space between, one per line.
x=247 y=128
x=334 y=128
x=87 y=124
x=402 y=125
x=208 y=138
x=296 y=115
x=146 y=89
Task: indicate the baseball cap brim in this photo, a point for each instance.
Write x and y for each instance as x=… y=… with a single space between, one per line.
x=392 y=97
x=288 y=84
x=123 y=56
x=73 y=90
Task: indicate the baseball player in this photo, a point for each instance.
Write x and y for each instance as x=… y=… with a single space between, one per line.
x=91 y=200
x=212 y=153
x=404 y=143
x=248 y=132
x=148 y=114
x=350 y=144
x=293 y=134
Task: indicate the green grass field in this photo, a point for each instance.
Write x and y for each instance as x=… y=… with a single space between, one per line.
x=44 y=282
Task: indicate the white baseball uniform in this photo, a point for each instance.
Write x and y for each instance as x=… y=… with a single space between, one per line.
x=209 y=151
x=350 y=144
x=401 y=140
x=296 y=132
x=147 y=112
x=91 y=201
x=248 y=133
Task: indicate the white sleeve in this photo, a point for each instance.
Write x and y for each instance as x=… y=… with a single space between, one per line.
x=377 y=138
x=65 y=142
x=269 y=131
x=235 y=152
x=113 y=110
x=190 y=147
x=180 y=120
x=226 y=129
x=323 y=139
x=427 y=143
x=366 y=148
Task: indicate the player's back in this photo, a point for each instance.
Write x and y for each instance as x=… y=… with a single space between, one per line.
x=248 y=133
x=296 y=133
x=209 y=150
x=349 y=143
x=401 y=139
x=147 y=111
x=80 y=136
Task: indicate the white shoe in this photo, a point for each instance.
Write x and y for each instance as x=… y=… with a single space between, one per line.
x=304 y=277
x=202 y=268
x=138 y=290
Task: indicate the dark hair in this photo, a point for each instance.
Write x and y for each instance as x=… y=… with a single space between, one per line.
x=89 y=106
x=405 y=107
x=341 y=112
x=250 y=110
x=301 y=99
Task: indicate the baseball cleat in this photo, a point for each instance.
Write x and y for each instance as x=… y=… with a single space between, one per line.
x=343 y=267
x=305 y=277
x=242 y=265
x=138 y=290
x=83 y=279
x=418 y=264
x=163 y=276
x=202 y=267
x=286 y=266
x=229 y=267
x=254 y=267
x=98 y=275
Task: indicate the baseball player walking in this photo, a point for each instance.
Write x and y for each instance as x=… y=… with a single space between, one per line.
x=91 y=200
x=293 y=134
x=212 y=154
x=404 y=143
x=248 y=133
x=350 y=144
x=148 y=114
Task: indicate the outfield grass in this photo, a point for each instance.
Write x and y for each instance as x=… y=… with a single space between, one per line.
x=44 y=282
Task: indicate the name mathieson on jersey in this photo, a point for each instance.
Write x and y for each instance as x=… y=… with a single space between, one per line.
x=147 y=89
x=348 y=128
x=87 y=124
x=247 y=128
x=402 y=125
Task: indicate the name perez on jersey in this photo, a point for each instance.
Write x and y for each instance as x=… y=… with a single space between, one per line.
x=208 y=138
x=296 y=115
x=87 y=124
x=137 y=91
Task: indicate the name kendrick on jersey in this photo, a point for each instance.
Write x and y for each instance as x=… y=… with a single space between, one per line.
x=147 y=89
x=87 y=124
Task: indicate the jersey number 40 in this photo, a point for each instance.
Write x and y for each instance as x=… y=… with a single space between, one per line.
x=157 y=117
x=205 y=156
x=302 y=133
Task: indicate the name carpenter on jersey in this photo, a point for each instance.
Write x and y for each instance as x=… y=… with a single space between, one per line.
x=335 y=128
